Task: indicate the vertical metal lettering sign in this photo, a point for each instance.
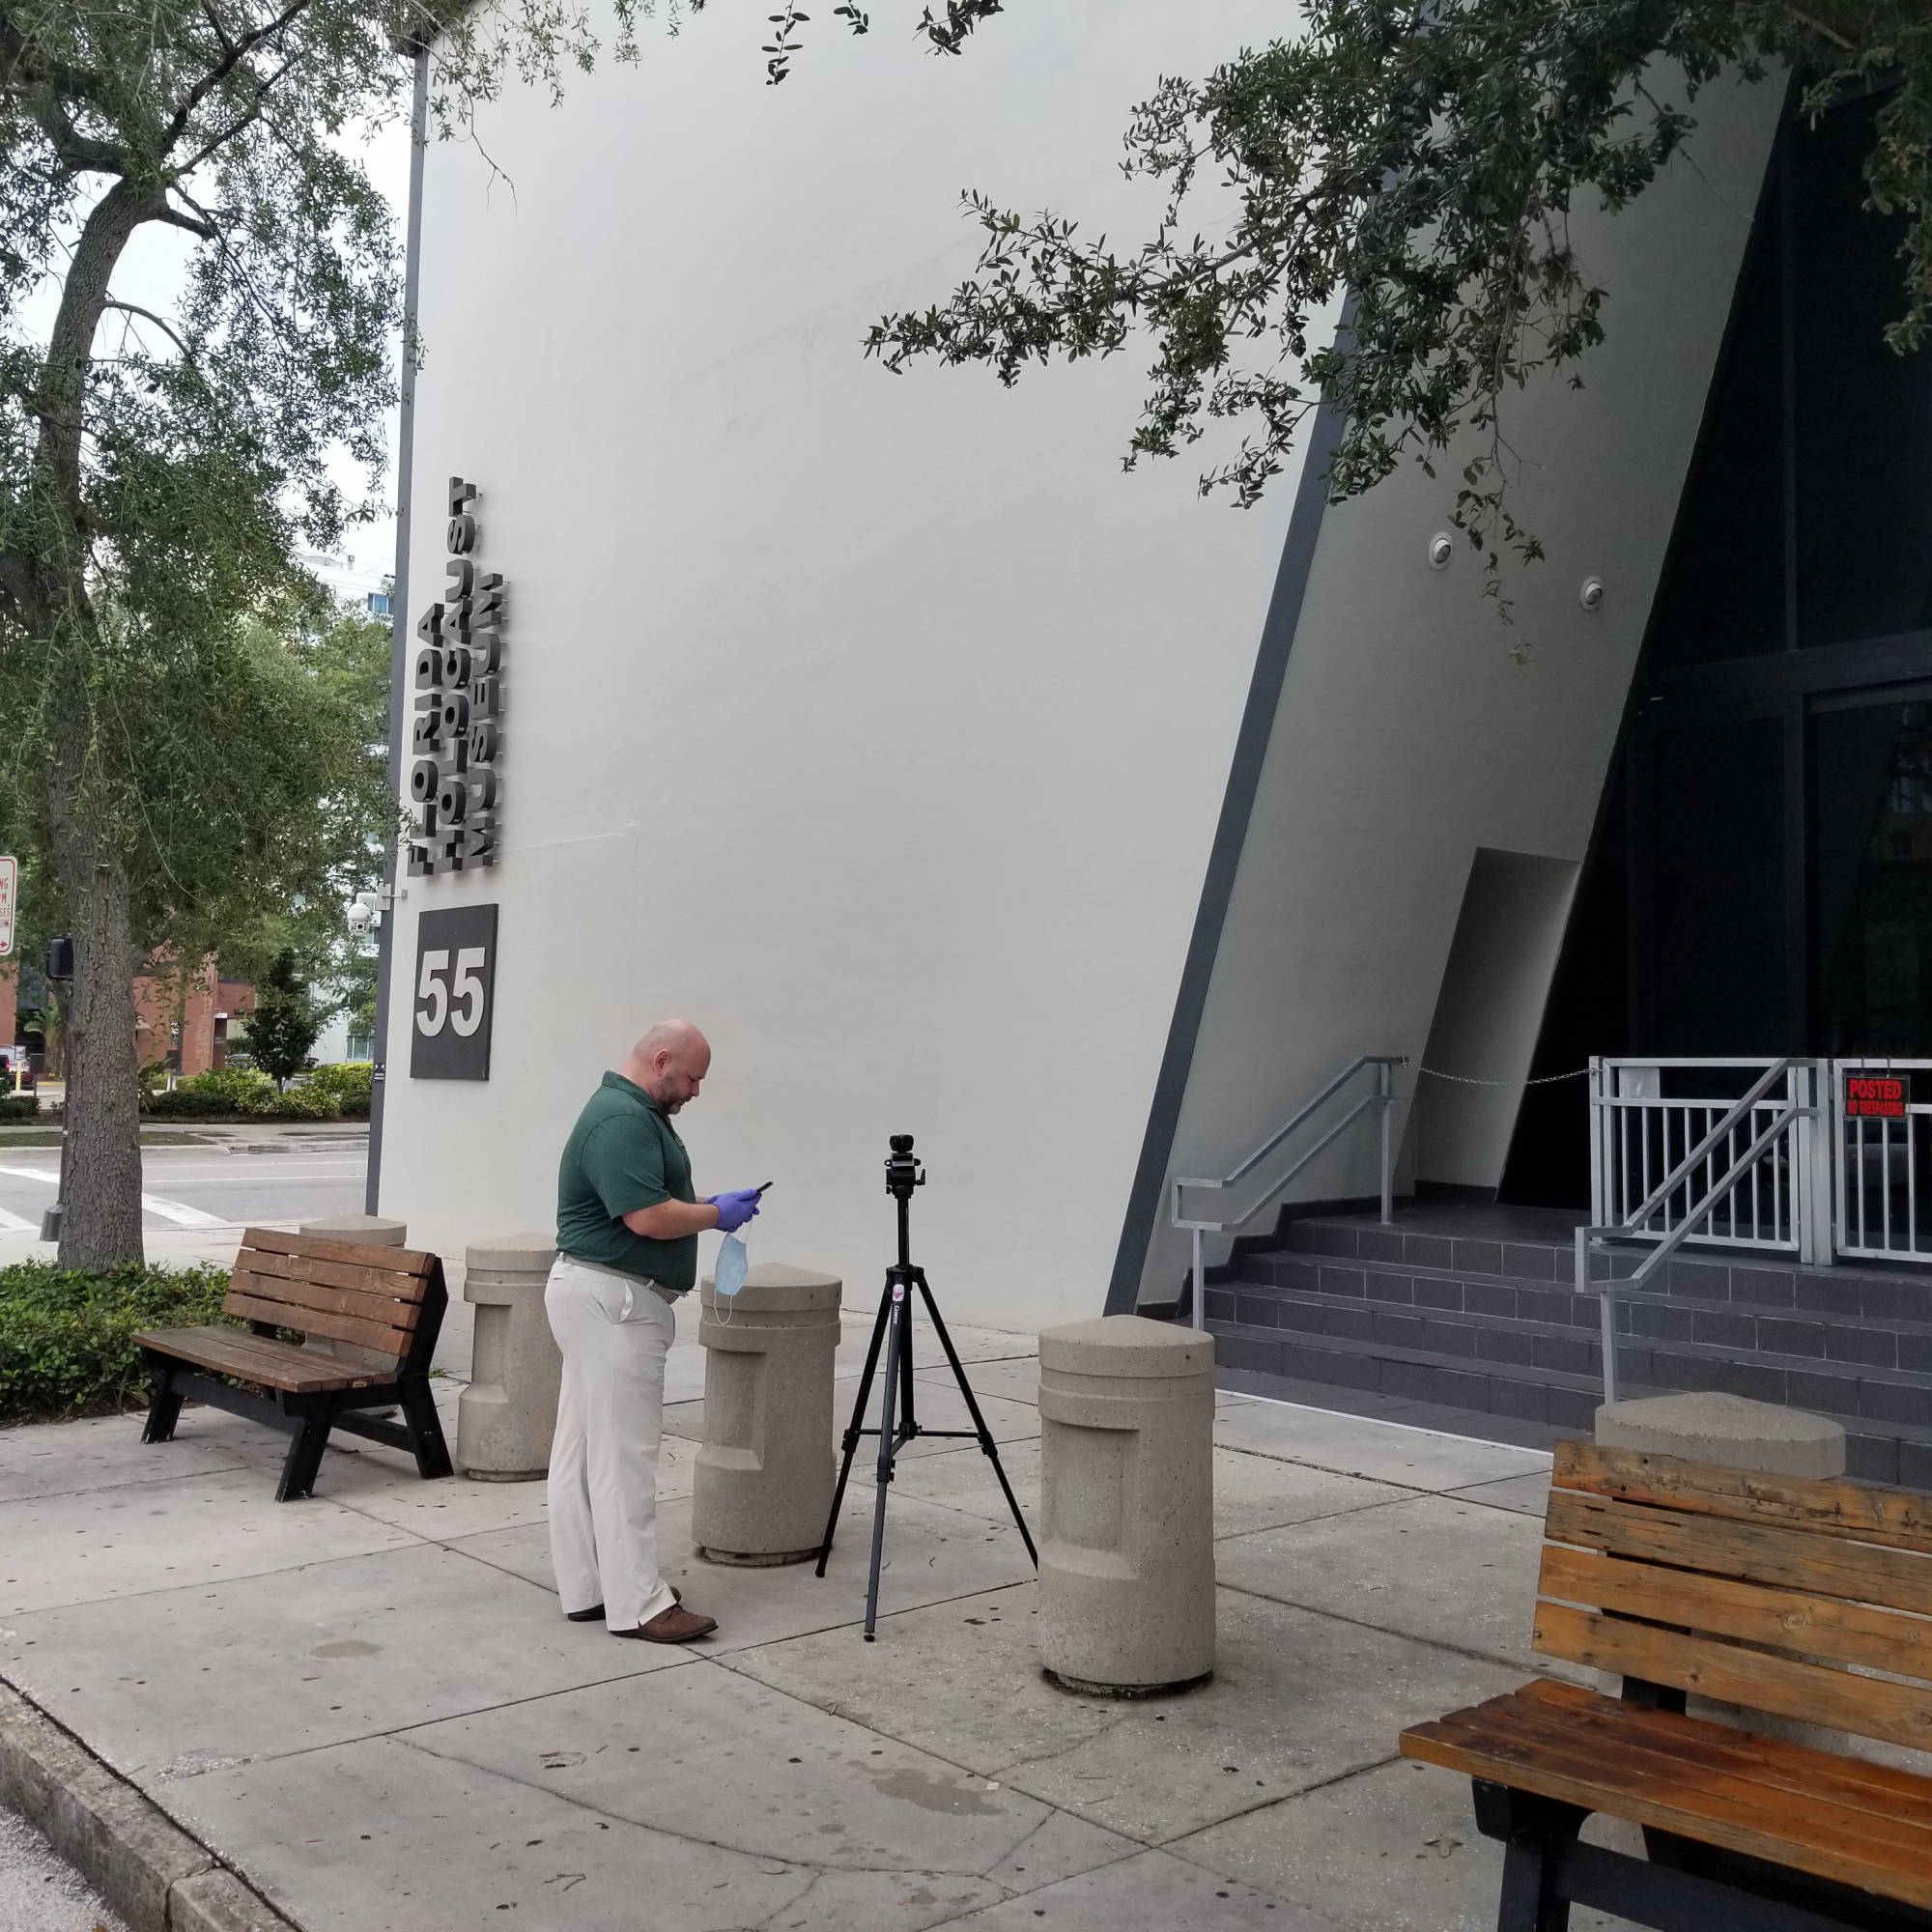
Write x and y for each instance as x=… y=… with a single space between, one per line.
x=455 y=994
x=455 y=725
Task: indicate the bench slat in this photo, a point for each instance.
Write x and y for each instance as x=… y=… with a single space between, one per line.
x=1901 y=1714
x=363 y=1254
x=1753 y=1553
x=1891 y=1516
x=393 y=1284
x=371 y=1335
x=1511 y=1741
x=1823 y=1628
x=1678 y=1761
x=1861 y=1782
x=296 y=1294
x=255 y=1358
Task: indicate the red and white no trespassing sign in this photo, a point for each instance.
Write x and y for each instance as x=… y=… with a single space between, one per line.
x=10 y=883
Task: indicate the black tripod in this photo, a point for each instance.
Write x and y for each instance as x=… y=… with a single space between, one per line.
x=893 y=1330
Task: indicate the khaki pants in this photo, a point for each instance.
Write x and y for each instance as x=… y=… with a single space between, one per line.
x=614 y=1335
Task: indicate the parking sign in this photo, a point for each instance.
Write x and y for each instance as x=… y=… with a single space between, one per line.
x=10 y=881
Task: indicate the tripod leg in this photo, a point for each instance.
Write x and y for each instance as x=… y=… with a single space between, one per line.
x=908 y=1411
x=892 y=1347
x=853 y=1432
x=985 y=1434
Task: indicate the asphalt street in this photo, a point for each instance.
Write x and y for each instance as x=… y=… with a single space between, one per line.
x=39 y=1892
x=205 y=1187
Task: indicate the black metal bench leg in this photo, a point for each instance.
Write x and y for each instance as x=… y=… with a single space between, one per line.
x=165 y=1407
x=303 y=1460
x=1534 y=1830
x=425 y=1427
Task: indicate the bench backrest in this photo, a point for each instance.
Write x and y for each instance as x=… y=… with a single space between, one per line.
x=386 y=1301
x=1778 y=1593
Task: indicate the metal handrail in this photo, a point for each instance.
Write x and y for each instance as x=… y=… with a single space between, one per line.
x=1383 y=1098
x=1607 y=1291
x=1675 y=1179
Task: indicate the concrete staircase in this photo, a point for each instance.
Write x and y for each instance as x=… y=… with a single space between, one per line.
x=1473 y=1310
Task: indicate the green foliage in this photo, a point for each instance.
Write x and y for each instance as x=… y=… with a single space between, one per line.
x=1429 y=174
x=64 y=1335
x=285 y=1022
x=19 y=1107
x=348 y=1083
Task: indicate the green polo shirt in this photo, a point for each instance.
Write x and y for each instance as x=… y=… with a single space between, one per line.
x=623 y=1154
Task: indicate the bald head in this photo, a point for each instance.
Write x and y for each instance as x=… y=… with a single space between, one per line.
x=670 y=1063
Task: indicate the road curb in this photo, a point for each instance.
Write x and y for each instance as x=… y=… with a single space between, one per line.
x=156 y=1876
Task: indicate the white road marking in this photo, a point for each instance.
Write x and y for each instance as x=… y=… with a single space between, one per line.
x=181 y=1217
x=32 y=1173
x=15 y=1224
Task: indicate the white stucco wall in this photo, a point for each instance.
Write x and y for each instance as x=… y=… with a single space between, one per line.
x=1406 y=738
x=880 y=725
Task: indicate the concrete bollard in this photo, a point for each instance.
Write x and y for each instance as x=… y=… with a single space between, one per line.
x=506 y=1416
x=375 y=1231
x=1706 y=1426
x=765 y=1476
x=371 y=1230
x=1126 y=1552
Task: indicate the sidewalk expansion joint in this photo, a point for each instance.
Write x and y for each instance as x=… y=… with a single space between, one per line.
x=156 y=1876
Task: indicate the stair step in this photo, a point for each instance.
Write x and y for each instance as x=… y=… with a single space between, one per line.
x=1879 y=1447
x=1768 y=1280
x=1876 y=1392
x=1845 y=1339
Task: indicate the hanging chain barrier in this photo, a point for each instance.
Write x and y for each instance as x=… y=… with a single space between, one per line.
x=1467 y=1080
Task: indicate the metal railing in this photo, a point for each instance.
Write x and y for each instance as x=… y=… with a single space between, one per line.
x=1641 y=1133
x=1881 y=1147
x=1772 y=1178
x=1381 y=1100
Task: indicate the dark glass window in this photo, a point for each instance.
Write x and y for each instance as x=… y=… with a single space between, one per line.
x=1718 y=891
x=1863 y=414
x=1872 y=894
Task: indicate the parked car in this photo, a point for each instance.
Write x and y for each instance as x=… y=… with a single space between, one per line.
x=16 y=1072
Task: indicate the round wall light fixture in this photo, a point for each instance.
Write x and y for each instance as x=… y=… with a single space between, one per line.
x=1441 y=548
x=1592 y=594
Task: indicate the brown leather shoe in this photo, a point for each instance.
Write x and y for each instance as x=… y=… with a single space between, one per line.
x=595 y=1613
x=676 y=1625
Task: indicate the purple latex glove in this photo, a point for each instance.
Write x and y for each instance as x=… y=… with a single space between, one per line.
x=735 y=1208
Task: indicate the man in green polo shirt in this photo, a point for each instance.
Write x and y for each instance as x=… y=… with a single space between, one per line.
x=627 y=1229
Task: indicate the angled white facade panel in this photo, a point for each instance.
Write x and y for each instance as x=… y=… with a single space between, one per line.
x=879 y=725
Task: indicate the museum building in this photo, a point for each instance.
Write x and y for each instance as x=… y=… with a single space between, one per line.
x=959 y=784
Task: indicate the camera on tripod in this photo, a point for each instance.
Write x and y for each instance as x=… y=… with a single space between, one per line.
x=903 y=1172
x=899 y=1422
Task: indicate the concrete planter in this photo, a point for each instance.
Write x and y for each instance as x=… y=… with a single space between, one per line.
x=765 y=1476
x=507 y=1415
x=1126 y=1556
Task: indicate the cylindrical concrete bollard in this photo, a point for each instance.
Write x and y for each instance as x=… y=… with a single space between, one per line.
x=371 y=1230
x=375 y=1231
x=764 y=1475
x=506 y=1416
x=1126 y=1551
x=1708 y=1426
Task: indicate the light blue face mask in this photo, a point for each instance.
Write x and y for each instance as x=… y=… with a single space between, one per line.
x=728 y=1277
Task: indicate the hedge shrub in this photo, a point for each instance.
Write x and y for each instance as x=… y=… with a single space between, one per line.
x=349 y=1082
x=64 y=1334
x=18 y=1108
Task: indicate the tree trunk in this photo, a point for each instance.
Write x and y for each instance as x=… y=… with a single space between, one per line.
x=101 y=1227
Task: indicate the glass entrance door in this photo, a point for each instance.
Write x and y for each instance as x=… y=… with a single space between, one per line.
x=1871 y=873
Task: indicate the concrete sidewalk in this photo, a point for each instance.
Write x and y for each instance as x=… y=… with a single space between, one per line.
x=369 y=1705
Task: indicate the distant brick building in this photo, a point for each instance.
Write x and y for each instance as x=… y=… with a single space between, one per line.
x=188 y=1031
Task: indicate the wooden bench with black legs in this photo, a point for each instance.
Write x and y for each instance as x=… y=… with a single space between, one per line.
x=1805 y=1600
x=384 y=1304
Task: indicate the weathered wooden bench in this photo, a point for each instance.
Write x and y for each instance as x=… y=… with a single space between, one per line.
x=1808 y=1599
x=383 y=1305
